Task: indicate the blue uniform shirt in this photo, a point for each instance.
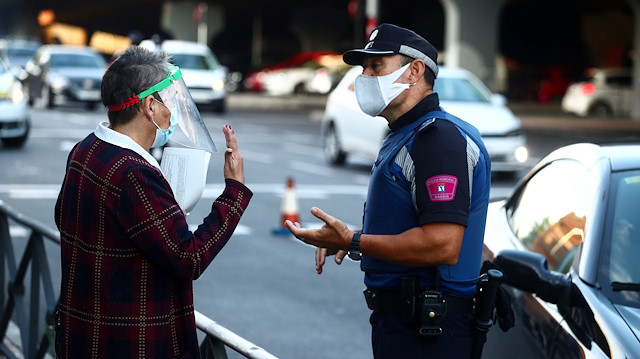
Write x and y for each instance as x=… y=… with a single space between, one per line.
x=433 y=167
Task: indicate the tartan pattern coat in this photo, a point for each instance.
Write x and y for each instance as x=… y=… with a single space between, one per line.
x=128 y=258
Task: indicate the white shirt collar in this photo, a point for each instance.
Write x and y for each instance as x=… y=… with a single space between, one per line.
x=106 y=134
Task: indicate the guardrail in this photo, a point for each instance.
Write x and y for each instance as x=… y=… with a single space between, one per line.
x=36 y=325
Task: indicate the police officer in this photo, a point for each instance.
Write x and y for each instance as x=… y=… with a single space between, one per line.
x=425 y=213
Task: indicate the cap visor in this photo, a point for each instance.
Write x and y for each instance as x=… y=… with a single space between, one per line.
x=356 y=57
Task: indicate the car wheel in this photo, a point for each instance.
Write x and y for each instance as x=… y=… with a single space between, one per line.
x=29 y=95
x=48 y=97
x=220 y=106
x=600 y=109
x=332 y=149
x=299 y=89
x=17 y=141
x=91 y=105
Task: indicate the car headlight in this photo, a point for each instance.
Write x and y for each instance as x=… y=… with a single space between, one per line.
x=521 y=154
x=16 y=94
x=58 y=82
x=217 y=85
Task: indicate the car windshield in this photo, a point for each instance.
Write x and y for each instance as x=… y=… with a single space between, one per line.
x=621 y=266
x=20 y=51
x=195 y=61
x=76 y=60
x=459 y=89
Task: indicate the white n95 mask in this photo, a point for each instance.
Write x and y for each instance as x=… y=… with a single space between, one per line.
x=374 y=93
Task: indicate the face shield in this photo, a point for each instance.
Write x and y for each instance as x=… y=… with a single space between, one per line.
x=175 y=95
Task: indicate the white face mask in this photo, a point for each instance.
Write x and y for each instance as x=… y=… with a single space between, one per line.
x=374 y=93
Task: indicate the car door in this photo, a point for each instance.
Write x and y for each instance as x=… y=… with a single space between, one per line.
x=548 y=215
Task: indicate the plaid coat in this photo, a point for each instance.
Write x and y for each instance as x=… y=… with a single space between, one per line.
x=128 y=257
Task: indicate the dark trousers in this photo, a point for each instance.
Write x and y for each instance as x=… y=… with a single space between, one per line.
x=392 y=339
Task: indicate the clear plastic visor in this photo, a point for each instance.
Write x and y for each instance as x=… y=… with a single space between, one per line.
x=193 y=132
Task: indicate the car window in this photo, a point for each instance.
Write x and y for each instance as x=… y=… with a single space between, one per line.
x=458 y=89
x=619 y=80
x=76 y=60
x=549 y=216
x=623 y=233
x=194 y=62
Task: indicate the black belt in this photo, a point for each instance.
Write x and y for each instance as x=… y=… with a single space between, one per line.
x=395 y=302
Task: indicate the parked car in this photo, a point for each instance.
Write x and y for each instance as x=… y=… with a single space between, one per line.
x=16 y=53
x=202 y=73
x=606 y=92
x=14 y=117
x=346 y=130
x=60 y=74
x=313 y=72
x=567 y=240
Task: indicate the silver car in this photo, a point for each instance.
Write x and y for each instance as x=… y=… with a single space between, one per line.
x=59 y=74
x=567 y=240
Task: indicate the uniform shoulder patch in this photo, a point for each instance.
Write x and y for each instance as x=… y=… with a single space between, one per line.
x=442 y=188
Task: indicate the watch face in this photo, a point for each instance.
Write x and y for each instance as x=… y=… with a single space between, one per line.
x=356 y=256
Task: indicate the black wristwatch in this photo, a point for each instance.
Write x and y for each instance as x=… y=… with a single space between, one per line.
x=354 y=250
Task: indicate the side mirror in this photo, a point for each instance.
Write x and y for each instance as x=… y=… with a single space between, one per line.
x=530 y=272
x=498 y=99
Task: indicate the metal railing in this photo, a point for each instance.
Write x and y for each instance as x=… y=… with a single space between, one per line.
x=36 y=325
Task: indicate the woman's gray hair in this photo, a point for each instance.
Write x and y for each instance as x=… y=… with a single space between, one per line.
x=136 y=70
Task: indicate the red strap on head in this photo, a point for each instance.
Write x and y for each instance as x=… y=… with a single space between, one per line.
x=130 y=102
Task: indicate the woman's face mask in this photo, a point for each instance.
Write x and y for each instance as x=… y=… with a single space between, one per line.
x=374 y=93
x=164 y=135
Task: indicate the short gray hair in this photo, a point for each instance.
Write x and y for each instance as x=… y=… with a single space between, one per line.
x=136 y=70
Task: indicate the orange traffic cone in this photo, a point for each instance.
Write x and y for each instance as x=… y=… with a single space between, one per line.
x=289 y=209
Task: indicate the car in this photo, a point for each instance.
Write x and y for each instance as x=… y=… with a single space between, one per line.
x=567 y=240
x=61 y=74
x=17 y=52
x=14 y=117
x=202 y=73
x=605 y=93
x=346 y=130
x=311 y=72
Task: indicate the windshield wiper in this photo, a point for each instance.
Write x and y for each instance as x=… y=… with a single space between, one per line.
x=619 y=286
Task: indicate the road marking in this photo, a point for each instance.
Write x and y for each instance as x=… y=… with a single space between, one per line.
x=313 y=169
x=66 y=146
x=59 y=133
x=213 y=190
x=257 y=156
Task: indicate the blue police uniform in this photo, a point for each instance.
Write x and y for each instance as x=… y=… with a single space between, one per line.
x=433 y=167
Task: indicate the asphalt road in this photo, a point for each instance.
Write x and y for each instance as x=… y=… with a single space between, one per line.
x=261 y=286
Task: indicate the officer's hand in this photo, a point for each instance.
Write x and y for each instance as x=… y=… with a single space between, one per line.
x=233 y=161
x=322 y=253
x=333 y=234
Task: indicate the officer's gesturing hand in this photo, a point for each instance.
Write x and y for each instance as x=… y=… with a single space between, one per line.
x=233 y=161
x=333 y=238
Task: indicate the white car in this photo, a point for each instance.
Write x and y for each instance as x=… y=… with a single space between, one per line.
x=347 y=130
x=607 y=92
x=14 y=118
x=202 y=73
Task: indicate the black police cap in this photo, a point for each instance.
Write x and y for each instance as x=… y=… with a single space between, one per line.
x=388 y=39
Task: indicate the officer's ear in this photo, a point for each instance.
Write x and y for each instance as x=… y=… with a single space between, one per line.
x=416 y=70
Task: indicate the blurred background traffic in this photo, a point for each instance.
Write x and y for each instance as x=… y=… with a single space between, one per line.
x=532 y=75
x=527 y=50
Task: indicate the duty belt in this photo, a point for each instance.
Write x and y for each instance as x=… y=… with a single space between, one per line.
x=396 y=302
